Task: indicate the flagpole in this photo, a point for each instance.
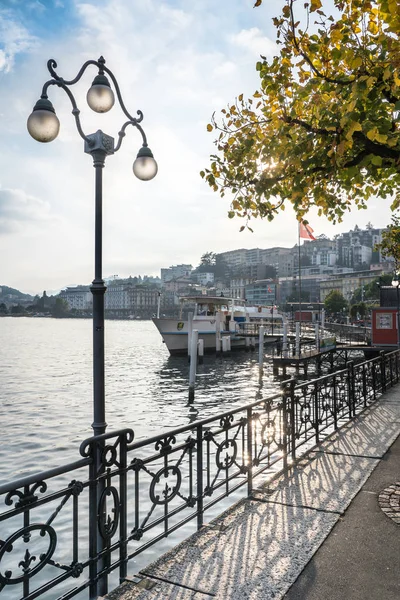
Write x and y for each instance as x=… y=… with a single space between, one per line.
x=299 y=280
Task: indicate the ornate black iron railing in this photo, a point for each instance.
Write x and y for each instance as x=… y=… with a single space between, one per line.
x=62 y=532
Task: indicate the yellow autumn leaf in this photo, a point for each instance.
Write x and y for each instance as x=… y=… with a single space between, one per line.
x=351 y=128
x=356 y=63
x=336 y=36
x=315 y=5
x=387 y=73
x=372 y=27
x=372 y=133
x=382 y=139
x=341 y=148
x=209 y=127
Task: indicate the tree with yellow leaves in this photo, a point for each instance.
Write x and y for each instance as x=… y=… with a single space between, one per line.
x=323 y=128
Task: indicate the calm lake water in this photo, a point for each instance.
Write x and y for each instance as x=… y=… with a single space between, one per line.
x=46 y=387
x=46 y=411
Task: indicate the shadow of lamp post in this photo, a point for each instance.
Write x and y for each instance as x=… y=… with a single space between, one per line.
x=43 y=126
x=396 y=284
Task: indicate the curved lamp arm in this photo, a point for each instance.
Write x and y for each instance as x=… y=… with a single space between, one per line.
x=65 y=84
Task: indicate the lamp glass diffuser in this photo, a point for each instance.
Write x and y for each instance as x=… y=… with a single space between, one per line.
x=145 y=168
x=43 y=125
x=100 y=98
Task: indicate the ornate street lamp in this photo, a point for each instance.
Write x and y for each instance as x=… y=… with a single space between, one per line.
x=43 y=125
x=396 y=284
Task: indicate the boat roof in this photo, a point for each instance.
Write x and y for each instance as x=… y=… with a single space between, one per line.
x=211 y=300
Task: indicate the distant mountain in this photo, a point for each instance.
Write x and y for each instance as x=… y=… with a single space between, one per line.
x=6 y=291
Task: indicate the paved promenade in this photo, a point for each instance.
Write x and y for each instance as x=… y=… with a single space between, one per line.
x=329 y=529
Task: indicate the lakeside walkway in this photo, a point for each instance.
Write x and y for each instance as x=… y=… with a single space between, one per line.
x=326 y=529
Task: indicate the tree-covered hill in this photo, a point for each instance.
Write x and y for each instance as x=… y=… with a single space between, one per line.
x=9 y=291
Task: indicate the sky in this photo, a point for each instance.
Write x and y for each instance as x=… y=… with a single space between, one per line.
x=176 y=60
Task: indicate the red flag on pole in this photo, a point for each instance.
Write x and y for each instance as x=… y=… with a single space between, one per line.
x=306 y=232
x=269 y=290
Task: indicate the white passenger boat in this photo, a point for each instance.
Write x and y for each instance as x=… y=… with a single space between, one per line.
x=232 y=314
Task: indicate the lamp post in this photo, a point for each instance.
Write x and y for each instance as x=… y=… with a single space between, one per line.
x=43 y=125
x=396 y=284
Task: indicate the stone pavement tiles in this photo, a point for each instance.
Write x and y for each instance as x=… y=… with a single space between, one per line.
x=360 y=559
x=258 y=548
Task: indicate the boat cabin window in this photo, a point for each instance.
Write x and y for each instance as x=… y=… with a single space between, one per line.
x=206 y=310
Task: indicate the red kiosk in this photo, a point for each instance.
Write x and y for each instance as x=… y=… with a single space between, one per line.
x=385 y=319
x=384 y=326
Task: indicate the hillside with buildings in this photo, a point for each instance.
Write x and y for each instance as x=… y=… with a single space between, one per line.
x=262 y=276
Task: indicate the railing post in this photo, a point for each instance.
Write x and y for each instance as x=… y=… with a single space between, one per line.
x=93 y=524
x=397 y=366
x=316 y=412
x=199 y=444
x=123 y=530
x=350 y=388
x=365 y=390
x=383 y=371
x=249 y=451
x=293 y=419
x=285 y=427
x=335 y=419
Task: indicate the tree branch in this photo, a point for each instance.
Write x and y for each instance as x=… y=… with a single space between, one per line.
x=308 y=59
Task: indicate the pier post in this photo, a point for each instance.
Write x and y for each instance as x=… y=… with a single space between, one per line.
x=322 y=322
x=193 y=363
x=261 y=349
x=158 y=305
x=297 y=339
x=200 y=348
x=284 y=341
x=218 y=333
x=247 y=343
x=190 y=327
x=252 y=344
x=317 y=337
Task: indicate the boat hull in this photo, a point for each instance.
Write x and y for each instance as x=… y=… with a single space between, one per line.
x=175 y=335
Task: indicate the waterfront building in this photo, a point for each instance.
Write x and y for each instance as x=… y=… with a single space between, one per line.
x=347 y=283
x=117 y=297
x=143 y=300
x=288 y=288
x=356 y=248
x=78 y=297
x=321 y=252
x=233 y=258
x=175 y=272
x=205 y=278
x=261 y=293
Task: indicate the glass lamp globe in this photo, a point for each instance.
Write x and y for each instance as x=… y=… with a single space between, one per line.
x=145 y=167
x=43 y=124
x=395 y=282
x=100 y=96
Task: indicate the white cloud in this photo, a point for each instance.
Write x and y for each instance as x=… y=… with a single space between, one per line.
x=14 y=39
x=254 y=42
x=17 y=209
